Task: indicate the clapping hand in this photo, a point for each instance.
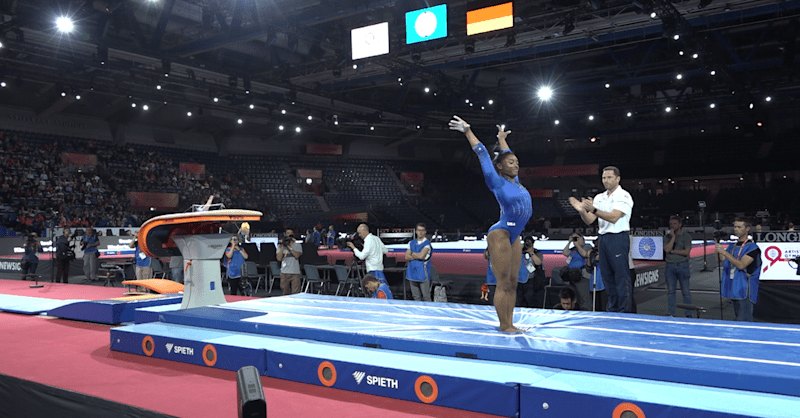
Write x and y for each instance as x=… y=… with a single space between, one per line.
x=458 y=124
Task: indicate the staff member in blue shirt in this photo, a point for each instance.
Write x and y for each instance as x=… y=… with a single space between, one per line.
x=144 y=267
x=418 y=272
x=380 y=290
x=89 y=244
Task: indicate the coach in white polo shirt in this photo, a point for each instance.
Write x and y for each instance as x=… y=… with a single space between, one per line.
x=612 y=209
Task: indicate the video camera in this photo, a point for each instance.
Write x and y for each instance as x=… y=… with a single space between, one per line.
x=355 y=239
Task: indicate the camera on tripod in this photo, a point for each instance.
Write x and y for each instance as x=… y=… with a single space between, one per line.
x=355 y=239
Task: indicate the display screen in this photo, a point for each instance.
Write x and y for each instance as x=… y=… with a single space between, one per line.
x=426 y=24
x=490 y=18
x=370 y=41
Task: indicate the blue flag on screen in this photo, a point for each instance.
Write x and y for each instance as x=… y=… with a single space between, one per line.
x=426 y=24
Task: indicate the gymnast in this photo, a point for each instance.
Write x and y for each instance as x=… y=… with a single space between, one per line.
x=515 y=211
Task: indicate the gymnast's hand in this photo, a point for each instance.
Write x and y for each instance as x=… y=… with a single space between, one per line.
x=459 y=124
x=502 y=134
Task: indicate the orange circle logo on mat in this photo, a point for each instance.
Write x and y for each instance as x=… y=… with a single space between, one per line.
x=148 y=346
x=421 y=383
x=321 y=372
x=210 y=355
x=627 y=407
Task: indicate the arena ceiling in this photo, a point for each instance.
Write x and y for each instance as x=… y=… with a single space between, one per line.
x=613 y=67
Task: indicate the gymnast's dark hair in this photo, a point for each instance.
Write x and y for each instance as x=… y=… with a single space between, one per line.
x=500 y=155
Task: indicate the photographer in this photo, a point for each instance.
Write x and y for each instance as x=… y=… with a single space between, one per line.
x=288 y=254
x=65 y=252
x=30 y=261
x=372 y=253
x=89 y=244
x=741 y=270
x=527 y=291
x=236 y=257
x=578 y=252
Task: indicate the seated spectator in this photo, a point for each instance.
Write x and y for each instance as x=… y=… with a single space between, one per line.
x=569 y=300
x=379 y=290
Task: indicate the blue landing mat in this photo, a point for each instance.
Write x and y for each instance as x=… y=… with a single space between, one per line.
x=109 y=311
x=750 y=357
x=29 y=305
x=504 y=389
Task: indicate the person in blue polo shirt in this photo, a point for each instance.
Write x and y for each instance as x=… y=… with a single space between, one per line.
x=418 y=271
x=144 y=267
x=89 y=244
x=379 y=289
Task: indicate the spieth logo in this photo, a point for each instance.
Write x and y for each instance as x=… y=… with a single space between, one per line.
x=359 y=376
x=384 y=382
x=172 y=348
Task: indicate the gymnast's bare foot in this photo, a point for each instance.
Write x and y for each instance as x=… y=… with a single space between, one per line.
x=511 y=330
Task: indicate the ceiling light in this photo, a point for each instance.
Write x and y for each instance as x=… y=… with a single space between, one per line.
x=591 y=117
x=252 y=106
x=297 y=129
x=545 y=93
x=280 y=127
x=145 y=107
x=188 y=113
x=713 y=72
x=310 y=117
x=427 y=89
x=77 y=97
x=668 y=109
x=556 y=122
x=608 y=85
x=239 y=121
x=629 y=114
x=491 y=102
x=712 y=105
x=695 y=55
x=679 y=76
x=769 y=98
x=64 y=24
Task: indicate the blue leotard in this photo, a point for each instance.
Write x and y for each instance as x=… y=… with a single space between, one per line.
x=515 y=201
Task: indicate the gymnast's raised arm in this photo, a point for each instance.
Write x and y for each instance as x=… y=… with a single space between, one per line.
x=458 y=124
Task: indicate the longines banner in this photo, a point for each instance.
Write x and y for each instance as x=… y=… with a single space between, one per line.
x=27 y=121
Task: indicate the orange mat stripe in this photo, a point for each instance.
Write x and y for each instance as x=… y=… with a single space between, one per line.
x=156 y=285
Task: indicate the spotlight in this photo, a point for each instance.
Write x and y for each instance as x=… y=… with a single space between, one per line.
x=420 y=127
x=695 y=55
x=371 y=127
x=77 y=97
x=469 y=47
x=653 y=15
x=491 y=102
x=593 y=139
x=246 y=85
x=466 y=101
x=280 y=127
x=713 y=72
x=189 y=113
x=145 y=107
x=752 y=105
x=591 y=117
x=252 y=106
x=668 y=109
x=427 y=89
x=712 y=105
x=679 y=76
x=283 y=111
x=310 y=117
x=676 y=36
x=769 y=98
x=158 y=87
x=510 y=40
x=64 y=24
x=759 y=124
x=216 y=99
x=680 y=53
x=239 y=121
x=400 y=80
x=335 y=120
x=297 y=129
x=166 y=67
x=629 y=114
x=556 y=122
x=355 y=66
x=133 y=104
x=545 y=93
x=3 y=84
x=63 y=94
x=608 y=85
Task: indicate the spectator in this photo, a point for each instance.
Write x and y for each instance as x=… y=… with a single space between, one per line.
x=144 y=263
x=577 y=252
x=89 y=245
x=64 y=254
x=288 y=254
x=331 y=238
x=176 y=268
x=379 y=290
x=372 y=253
x=418 y=271
x=236 y=257
x=677 y=249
